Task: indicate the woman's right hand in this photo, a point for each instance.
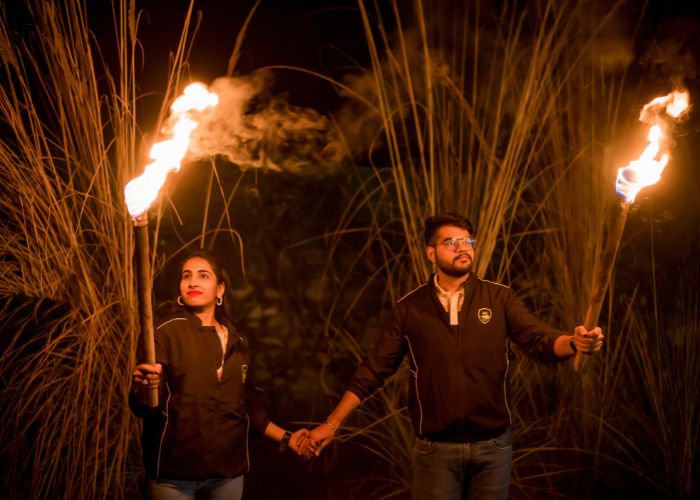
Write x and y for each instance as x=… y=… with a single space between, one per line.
x=146 y=376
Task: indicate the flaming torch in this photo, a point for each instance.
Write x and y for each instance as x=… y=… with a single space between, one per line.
x=141 y=191
x=632 y=178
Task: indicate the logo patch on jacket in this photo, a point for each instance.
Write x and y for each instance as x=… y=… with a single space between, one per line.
x=484 y=315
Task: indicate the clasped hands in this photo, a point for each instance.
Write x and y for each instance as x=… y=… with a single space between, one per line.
x=311 y=443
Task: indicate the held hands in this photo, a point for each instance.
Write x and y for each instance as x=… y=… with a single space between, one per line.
x=320 y=437
x=309 y=444
x=588 y=342
x=300 y=443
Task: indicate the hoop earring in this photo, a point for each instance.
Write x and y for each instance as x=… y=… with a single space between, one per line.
x=179 y=301
x=219 y=301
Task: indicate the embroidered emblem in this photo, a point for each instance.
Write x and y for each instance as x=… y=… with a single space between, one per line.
x=244 y=373
x=484 y=315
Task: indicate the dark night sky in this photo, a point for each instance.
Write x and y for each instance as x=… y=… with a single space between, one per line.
x=316 y=35
x=325 y=36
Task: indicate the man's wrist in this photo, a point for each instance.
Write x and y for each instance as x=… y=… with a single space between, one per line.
x=333 y=427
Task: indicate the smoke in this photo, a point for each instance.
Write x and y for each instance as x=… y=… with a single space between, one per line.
x=253 y=129
x=359 y=120
x=673 y=51
x=604 y=35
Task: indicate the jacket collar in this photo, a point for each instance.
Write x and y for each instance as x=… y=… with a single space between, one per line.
x=196 y=323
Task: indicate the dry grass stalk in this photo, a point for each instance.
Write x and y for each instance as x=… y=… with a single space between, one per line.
x=70 y=143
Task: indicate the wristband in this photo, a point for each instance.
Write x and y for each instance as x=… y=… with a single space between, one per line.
x=572 y=345
x=285 y=441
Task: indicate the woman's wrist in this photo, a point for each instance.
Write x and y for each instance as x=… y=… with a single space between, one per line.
x=284 y=442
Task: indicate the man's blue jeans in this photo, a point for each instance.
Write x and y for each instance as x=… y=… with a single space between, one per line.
x=447 y=471
x=213 y=489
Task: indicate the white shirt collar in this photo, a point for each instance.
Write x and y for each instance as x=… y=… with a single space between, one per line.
x=451 y=301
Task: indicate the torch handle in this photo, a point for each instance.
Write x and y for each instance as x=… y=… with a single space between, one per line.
x=145 y=286
x=607 y=262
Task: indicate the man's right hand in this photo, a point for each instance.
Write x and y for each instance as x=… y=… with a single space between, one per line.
x=321 y=436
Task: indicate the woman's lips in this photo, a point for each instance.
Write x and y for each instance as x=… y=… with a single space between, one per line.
x=193 y=293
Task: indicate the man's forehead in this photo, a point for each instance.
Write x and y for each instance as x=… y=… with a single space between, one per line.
x=445 y=232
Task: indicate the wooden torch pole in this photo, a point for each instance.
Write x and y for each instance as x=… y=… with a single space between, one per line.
x=145 y=286
x=607 y=262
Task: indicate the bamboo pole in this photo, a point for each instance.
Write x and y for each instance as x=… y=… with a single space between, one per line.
x=145 y=286
x=607 y=262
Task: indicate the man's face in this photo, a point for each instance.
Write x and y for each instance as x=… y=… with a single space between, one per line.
x=451 y=252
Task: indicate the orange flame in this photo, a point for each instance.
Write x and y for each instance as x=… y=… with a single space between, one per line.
x=646 y=170
x=140 y=192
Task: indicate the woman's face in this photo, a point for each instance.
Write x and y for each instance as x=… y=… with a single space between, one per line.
x=199 y=286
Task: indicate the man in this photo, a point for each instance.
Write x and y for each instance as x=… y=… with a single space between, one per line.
x=455 y=329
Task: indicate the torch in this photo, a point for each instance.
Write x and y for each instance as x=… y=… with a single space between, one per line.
x=141 y=191
x=640 y=173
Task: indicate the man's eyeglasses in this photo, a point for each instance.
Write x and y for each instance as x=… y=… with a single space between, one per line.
x=454 y=243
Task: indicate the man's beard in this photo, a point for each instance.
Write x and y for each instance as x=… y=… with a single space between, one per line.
x=454 y=272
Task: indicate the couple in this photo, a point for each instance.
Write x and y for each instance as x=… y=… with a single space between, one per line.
x=455 y=329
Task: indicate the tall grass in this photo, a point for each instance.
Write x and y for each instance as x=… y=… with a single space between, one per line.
x=70 y=143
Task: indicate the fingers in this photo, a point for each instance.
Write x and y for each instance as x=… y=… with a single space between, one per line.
x=301 y=444
x=588 y=341
x=320 y=445
x=146 y=375
x=321 y=436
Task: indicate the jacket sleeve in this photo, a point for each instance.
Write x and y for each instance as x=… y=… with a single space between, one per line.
x=256 y=406
x=384 y=359
x=535 y=338
x=137 y=408
x=143 y=410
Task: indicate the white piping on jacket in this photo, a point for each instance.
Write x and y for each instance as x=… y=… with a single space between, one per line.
x=505 y=390
x=420 y=406
x=165 y=427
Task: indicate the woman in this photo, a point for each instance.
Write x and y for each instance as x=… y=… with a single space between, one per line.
x=196 y=443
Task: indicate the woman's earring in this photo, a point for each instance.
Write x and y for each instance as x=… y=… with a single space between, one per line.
x=219 y=301
x=179 y=301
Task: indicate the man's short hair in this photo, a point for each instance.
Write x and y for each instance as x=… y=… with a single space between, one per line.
x=435 y=222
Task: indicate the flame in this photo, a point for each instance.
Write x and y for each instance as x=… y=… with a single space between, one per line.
x=140 y=192
x=646 y=170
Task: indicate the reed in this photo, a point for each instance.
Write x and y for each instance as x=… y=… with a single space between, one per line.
x=70 y=142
